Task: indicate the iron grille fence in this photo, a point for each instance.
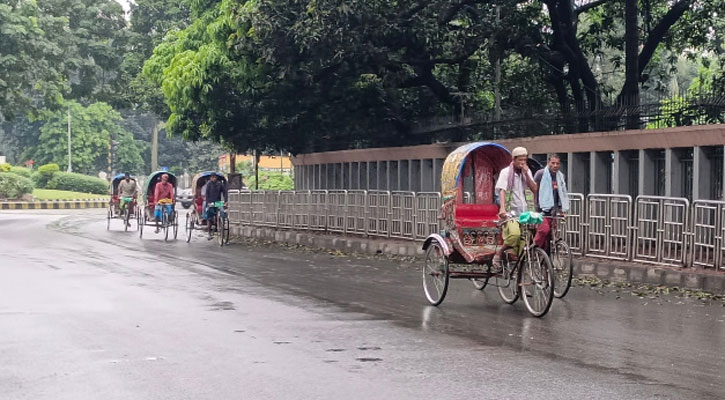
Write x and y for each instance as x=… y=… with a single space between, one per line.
x=651 y=229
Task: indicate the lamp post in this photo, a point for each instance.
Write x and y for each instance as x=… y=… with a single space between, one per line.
x=70 y=165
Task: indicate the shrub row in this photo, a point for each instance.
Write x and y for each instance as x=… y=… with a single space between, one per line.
x=14 y=186
x=77 y=183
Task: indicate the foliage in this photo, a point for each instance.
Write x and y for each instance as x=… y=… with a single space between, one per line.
x=93 y=128
x=268 y=180
x=77 y=183
x=13 y=186
x=22 y=171
x=30 y=62
x=48 y=169
x=5 y=167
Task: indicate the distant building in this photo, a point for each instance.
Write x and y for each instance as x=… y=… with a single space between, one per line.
x=266 y=163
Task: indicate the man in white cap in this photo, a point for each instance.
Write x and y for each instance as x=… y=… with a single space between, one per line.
x=511 y=188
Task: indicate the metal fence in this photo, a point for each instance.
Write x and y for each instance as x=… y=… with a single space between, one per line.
x=652 y=229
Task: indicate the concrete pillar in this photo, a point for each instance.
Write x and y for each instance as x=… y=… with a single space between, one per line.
x=673 y=174
x=364 y=179
x=578 y=174
x=383 y=169
x=393 y=177
x=702 y=179
x=414 y=176
x=373 y=182
x=437 y=169
x=600 y=164
x=621 y=173
x=354 y=176
x=404 y=175
x=647 y=172
x=427 y=173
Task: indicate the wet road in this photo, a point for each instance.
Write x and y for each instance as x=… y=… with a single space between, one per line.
x=90 y=314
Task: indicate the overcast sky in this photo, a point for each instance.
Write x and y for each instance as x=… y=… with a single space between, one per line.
x=124 y=4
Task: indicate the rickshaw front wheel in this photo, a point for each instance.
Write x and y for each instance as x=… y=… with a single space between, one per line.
x=435 y=274
x=507 y=280
x=537 y=282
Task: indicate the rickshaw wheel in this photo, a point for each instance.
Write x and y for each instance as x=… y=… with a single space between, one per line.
x=480 y=283
x=126 y=217
x=165 y=222
x=176 y=224
x=226 y=230
x=507 y=281
x=137 y=217
x=563 y=269
x=435 y=274
x=141 y=222
x=189 y=227
x=537 y=282
x=219 y=227
x=108 y=219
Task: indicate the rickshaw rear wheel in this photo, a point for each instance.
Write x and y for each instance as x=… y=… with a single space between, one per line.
x=537 y=282
x=508 y=280
x=563 y=268
x=108 y=219
x=165 y=222
x=435 y=274
x=189 y=227
x=480 y=283
x=175 y=223
x=141 y=222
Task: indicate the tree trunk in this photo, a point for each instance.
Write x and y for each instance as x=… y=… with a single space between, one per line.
x=630 y=91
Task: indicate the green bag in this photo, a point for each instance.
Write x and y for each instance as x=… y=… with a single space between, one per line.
x=531 y=218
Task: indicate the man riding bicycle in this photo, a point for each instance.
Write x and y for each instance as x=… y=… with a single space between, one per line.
x=552 y=198
x=215 y=191
x=127 y=191
x=163 y=199
x=511 y=187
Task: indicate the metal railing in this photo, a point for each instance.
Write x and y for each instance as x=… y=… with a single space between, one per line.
x=608 y=228
x=661 y=230
x=653 y=229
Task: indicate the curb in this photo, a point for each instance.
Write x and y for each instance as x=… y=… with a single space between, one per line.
x=53 y=205
x=609 y=270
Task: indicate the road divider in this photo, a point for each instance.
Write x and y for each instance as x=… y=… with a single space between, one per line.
x=53 y=205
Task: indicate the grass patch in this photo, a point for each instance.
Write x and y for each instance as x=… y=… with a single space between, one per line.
x=48 y=194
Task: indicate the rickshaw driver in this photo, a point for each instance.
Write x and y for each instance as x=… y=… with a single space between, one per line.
x=163 y=197
x=552 y=197
x=126 y=193
x=512 y=181
x=214 y=192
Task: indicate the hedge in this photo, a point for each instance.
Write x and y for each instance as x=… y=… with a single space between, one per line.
x=24 y=172
x=14 y=186
x=5 y=167
x=77 y=183
x=49 y=168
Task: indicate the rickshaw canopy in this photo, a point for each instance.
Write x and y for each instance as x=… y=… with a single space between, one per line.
x=486 y=155
x=202 y=177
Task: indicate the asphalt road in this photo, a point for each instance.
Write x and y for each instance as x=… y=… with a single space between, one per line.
x=87 y=313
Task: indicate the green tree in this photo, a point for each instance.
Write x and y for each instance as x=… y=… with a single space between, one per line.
x=93 y=129
x=30 y=62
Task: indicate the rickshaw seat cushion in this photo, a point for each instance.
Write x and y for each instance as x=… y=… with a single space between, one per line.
x=475 y=215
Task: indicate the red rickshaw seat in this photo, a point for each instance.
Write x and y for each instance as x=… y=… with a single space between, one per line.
x=476 y=215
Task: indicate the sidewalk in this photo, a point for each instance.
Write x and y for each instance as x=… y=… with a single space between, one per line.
x=53 y=205
x=608 y=270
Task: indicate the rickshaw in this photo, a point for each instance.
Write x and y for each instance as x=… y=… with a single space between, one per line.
x=114 y=204
x=471 y=234
x=195 y=217
x=145 y=214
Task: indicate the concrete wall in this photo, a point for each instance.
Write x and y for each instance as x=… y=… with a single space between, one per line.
x=680 y=162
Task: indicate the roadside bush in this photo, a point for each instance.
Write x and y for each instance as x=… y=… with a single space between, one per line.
x=5 y=167
x=77 y=183
x=24 y=172
x=14 y=186
x=44 y=175
x=49 y=168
